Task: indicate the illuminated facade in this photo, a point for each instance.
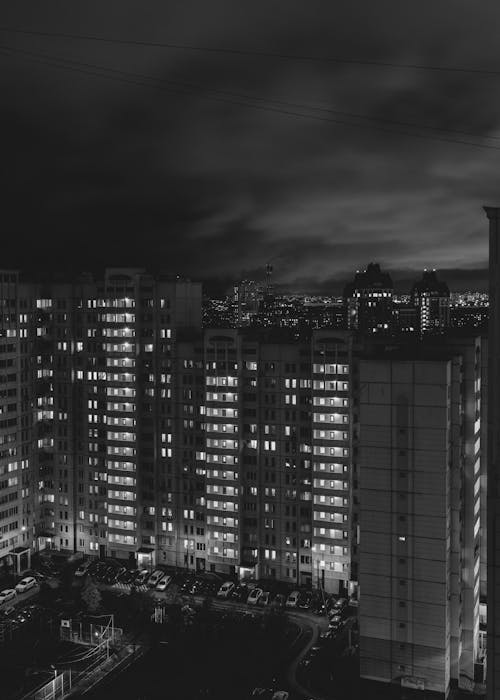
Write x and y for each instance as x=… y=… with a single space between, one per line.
x=144 y=437
x=279 y=458
x=431 y=299
x=17 y=485
x=368 y=300
x=420 y=518
x=103 y=390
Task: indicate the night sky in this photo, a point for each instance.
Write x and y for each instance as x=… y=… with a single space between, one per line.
x=134 y=171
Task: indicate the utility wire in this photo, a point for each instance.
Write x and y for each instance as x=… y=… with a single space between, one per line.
x=79 y=67
x=245 y=96
x=251 y=52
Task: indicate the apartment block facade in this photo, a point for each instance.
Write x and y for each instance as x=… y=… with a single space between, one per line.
x=137 y=434
x=420 y=518
x=279 y=457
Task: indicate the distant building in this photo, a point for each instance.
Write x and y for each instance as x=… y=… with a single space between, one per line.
x=431 y=298
x=248 y=297
x=405 y=318
x=218 y=313
x=469 y=317
x=292 y=313
x=368 y=299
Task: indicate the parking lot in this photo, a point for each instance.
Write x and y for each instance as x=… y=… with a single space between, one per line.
x=328 y=624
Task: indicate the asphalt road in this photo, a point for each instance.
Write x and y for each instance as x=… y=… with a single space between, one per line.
x=310 y=626
x=21 y=598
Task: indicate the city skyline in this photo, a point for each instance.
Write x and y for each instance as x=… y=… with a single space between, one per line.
x=249 y=357
x=199 y=155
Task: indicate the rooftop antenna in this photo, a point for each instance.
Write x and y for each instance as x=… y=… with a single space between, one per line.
x=269 y=271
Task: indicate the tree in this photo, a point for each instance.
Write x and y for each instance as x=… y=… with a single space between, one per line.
x=91 y=595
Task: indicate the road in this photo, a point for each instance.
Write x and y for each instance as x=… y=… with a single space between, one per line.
x=21 y=598
x=310 y=626
x=314 y=625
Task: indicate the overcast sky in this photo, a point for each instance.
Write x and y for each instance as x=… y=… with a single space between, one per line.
x=98 y=171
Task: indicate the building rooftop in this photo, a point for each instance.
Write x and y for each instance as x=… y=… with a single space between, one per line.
x=371 y=278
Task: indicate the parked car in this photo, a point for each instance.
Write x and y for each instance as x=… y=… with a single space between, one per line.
x=340 y=604
x=254 y=595
x=21 y=617
x=265 y=598
x=240 y=593
x=305 y=600
x=142 y=577
x=83 y=568
x=314 y=651
x=26 y=583
x=163 y=583
x=311 y=654
x=225 y=590
x=92 y=570
x=187 y=584
x=279 y=601
x=8 y=612
x=119 y=572
x=197 y=587
x=319 y=609
x=109 y=576
x=6 y=595
x=335 y=622
x=127 y=576
x=329 y=634
x=100 y=571
x=293 y=599
x=211 y=587
x=155 y=577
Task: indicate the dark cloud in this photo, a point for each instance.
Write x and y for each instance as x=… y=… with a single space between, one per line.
x=98 y=171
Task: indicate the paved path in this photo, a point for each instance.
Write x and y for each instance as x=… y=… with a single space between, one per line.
x=315 y=626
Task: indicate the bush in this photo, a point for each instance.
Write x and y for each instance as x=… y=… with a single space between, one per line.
x=91 y=596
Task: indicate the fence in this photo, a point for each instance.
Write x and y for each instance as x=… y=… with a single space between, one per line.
x=57 y=687
x=89 y=633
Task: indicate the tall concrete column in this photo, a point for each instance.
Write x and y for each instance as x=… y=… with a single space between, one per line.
x=493 y=471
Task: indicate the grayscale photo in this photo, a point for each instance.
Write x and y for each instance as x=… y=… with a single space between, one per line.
x=250 y=350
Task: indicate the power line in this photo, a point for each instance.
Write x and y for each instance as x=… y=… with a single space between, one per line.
x=252 y=52
x=226 y=97
x=245 y=96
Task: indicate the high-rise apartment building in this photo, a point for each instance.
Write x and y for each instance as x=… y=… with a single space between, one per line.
x=131 y=432
x=431 y=299
x=96 y=361
x=279 y=458
x=420 y=515
x=17 y=474
x=493 y=474
x=368 y=300
x=248 y=299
